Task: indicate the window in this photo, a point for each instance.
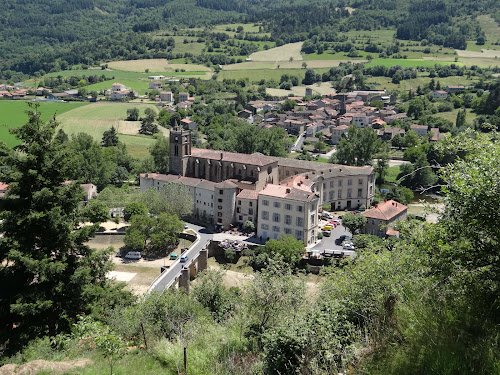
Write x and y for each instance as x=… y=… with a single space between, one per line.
x=250 y=211
x=371 y=187
x=360 y=181
x=288 y=220
x=277 y=204
x=331 y=184
x=324 y=185
x=265 y=202
x=339 y=194
x=239 y=203
x=340 y=182
x=312 y=218
x=238 y=210
x=331 y=195
x=219 y=214
x=276 y=229
x=265 y=215
x=264 y=226
x=349 y=182
x=299 y=208
x=288 y=231
x=250 y=204
x=219 y=207
x=288 y=206
x=298 y=234
x=349 y=193
x=240 y=218
x=300 y=222
x=219 y=200
x=276 y=217
x=360 y=192
x=219 y=221
x=221 y=191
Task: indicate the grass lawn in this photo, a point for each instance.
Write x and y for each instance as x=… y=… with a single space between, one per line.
x=386 y=83
x=282 y=53
x=137 y=145
x=392 y=173
x=255 y=75
x=492 y=31
x=12 y=115
x=154 y=65
x=452 y=116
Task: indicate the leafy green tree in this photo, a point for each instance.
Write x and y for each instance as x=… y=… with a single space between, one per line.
x=139 y=232
x=411 y=139
x=96 y=212
x=417 y=175
x=134 y=208
x=382 y=163
x=52 y=276
x=148 y=127
x=354 y=222
x=172 y=198
x=288 y=247
x=400 y=194
x=132 y=114
x=461 y=115
x=110 y=137
x=211 y=293
x=288 y=105
x=358 y=147
x=160 y=153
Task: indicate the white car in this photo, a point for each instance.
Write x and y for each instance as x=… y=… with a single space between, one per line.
x=133 y=255
x=348 y=246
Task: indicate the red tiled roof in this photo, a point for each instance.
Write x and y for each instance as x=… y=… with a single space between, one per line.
x=385 y=210
x=248 y=194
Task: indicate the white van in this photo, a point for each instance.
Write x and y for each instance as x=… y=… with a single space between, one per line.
x=133 y=255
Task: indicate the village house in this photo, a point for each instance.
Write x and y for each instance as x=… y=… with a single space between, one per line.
x=440 y=94
x=338 y=132
x=421 y=130
x=166 y=96
x=188 y=124
x=155 y=85
x=382 y=218
x=183 y=97
x=455 y=88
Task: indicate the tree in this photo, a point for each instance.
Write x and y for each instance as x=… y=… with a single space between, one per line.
x=417 y=175
x=211 y=293
x=310 y=77
x=172 y=198
x=354 y=222
x=358 y=147
x=288 y=247
x=110 y=137
x=52 y=276
x=160 y=153
x=249 y=226
x=400 y=194
x=134 y=208
x=382 y=163
x=132 y=114
x=96 y=212
x=288 y=105
x=148 y=127
x=460 y=122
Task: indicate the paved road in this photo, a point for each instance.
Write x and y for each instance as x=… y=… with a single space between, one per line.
x=168 y=277
x=330 y=242
x=299 y=143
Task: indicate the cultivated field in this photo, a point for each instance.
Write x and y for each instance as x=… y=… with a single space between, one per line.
x=12 y=115
x=96 y=118
x=255 y=75
x=323 y=88
x=154 y=65
x=407 y=63
x=250 y=65
x=386 y=83
x=283 y=53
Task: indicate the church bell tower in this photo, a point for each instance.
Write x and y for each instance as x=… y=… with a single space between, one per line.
x=180 y=150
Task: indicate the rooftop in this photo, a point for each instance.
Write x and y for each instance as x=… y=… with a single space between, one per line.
x=385 y=210
x=279 y=191
x=256 y=158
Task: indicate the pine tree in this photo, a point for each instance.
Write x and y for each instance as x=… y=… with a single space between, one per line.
x=110 y=137
x=48 y=274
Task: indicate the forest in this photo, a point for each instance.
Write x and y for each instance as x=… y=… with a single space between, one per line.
x=39 y=36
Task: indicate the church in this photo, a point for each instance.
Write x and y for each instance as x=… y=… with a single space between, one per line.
x=279 y=195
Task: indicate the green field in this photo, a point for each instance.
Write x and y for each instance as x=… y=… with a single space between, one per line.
x=256 y=75
x=408 y=63
x=423 y=79
x=452 y=116
x=12 y=115
x=99 y=117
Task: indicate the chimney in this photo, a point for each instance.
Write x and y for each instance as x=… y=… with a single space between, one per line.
x=393 y=203
x=288 y=190
x=307 y=177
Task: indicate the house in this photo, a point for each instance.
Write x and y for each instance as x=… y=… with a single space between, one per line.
x=246 y=115
x=378 y=123
x=382 y=218
x=90 y=191
x=436 y=134
x=166 y=96
x=118 y=87
x=421 y=130
x=455 y=88
x=188 y=124
x=40 y=90
x=338 y=132
x=155 y=85
x=3 y=189
x=119 y=95
x=156 y=78
x=389 y=132
x=183 y=97
x=440 y=94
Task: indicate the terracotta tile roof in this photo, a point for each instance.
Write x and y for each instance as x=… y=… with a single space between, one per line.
x=278 y=191
x=392 y=232
x=253 y=159
x=248 y=194
x=419 y=127
x=226 y=185
x=385 y=210
x=3 y=186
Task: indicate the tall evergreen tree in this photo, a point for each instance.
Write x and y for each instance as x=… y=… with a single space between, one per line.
x=110 y=137
x=48 y=274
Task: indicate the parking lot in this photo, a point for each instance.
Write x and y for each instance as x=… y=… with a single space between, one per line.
x=332 y=242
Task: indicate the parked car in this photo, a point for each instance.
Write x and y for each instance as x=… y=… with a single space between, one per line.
x=184 y=258
x=327 y=233
x=186 y=226
x=133 y=255
x=327 y=227
x=173 y=256
x=348 y=246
